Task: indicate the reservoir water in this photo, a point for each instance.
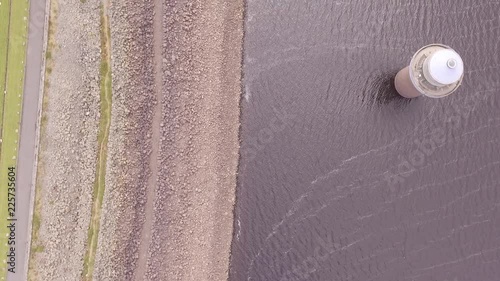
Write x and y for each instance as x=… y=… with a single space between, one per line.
x=342 y=179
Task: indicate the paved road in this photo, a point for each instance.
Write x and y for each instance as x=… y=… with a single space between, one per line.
x=28 y=137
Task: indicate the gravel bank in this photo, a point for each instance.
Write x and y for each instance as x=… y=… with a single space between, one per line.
x=129 y=142
x=195 y=100
x=198 y=148
x=68 y=143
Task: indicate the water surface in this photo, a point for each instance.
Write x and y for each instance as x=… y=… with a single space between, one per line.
x=340 y=178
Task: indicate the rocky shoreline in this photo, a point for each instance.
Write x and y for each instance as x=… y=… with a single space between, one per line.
x=68 y=142
x=129 y=143
x=173 y=145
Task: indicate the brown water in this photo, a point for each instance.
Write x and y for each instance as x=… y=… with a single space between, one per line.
x=342 y=179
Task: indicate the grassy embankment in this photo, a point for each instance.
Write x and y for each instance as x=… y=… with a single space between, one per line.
x=102 y=140
x=13 y=39
x=4 y=40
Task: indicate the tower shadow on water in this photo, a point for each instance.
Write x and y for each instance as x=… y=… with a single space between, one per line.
x=382 y=91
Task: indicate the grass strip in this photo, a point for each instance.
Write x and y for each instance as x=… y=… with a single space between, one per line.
x=12 y=108
x=102 y=140
x=4 y=46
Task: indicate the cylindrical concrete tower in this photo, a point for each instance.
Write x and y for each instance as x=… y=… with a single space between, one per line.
x=435 y=71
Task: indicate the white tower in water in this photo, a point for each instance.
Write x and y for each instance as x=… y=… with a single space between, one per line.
x=435 y=71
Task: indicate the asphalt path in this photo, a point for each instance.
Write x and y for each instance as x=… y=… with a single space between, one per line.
x=29 y=136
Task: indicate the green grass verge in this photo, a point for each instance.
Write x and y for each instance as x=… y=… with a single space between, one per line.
x=12 y=108
x=102 y=140
x=4 y=43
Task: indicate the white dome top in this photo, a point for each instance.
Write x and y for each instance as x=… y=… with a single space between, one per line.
x=445 y=66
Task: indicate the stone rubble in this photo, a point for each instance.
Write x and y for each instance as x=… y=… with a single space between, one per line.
x=198 y=145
